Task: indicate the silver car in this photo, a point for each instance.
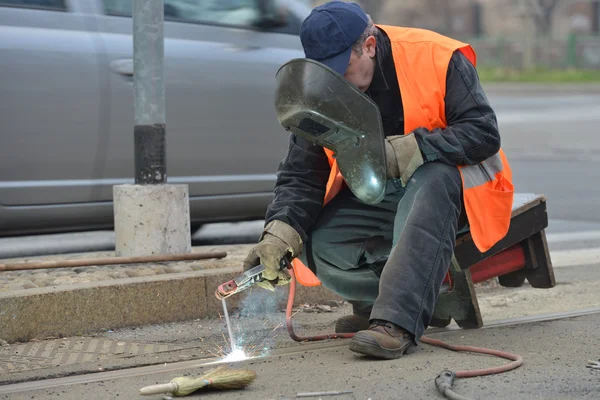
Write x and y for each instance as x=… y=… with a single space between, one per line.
x=67 y=108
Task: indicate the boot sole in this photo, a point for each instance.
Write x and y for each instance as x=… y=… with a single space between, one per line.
x=368 y=346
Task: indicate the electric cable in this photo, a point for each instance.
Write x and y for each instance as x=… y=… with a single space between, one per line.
x=445 y=379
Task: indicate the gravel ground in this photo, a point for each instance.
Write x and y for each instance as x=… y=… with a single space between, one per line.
x=61 y=277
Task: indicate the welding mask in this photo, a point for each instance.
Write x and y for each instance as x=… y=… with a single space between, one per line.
x=320 y=105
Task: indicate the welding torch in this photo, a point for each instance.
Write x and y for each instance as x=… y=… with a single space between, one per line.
x=247 y=279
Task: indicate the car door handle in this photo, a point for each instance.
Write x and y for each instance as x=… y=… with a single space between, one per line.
x=122 y=66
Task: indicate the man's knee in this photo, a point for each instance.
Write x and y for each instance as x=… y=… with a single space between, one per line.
x=437 y=177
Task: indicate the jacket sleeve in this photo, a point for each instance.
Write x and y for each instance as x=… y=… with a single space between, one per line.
x=300 y=186
x=472 y=132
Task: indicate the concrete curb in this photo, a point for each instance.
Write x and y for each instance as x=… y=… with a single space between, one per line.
x=88 y=307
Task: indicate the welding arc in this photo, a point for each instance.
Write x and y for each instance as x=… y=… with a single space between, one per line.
x=445 y=379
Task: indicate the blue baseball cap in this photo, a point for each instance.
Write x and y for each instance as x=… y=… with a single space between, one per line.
x=329 y=31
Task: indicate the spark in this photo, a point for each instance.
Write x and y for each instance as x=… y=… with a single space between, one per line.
x=236 y=355
x=213 y=354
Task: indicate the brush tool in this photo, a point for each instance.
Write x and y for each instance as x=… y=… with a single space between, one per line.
x=222 y=378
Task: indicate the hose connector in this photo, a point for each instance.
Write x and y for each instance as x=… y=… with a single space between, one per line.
x=445 y=380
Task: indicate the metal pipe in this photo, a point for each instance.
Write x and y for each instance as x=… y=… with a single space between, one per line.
x=149 y=88
x=319 y=394
x=111 y=261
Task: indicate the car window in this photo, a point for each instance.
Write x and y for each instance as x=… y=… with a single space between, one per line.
x=222 y=12
x=58 y=5
x=292 y=21
x=240 y=13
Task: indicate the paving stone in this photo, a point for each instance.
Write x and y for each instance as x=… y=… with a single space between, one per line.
x=79 y=279
x=29 y=285
x=66 y=273
x=135 y=273
x=158 y=270
x=101 y=276
x=51 y=277
x=119 y=275
x=65 y=280
x=22 y=279
x=178 y=268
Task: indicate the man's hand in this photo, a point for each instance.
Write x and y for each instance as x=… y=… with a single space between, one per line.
x=277 y=241
x=403 y=156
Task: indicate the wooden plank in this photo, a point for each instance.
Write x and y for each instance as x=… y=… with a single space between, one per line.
x=540 y=273
x=521 y=227
x=460 y=303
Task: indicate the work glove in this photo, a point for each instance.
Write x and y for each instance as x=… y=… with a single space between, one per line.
x=277 y=241
x=403 y=156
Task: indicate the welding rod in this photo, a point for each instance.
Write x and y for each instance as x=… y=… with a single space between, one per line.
x=316 y=394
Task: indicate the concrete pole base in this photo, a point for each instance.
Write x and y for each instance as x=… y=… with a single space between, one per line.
x=151 y=219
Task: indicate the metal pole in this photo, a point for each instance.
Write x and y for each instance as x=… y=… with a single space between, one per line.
x=149 y=87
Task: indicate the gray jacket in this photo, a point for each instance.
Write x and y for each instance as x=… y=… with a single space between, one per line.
x=470 y=137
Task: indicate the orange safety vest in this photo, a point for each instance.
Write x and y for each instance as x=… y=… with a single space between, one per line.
x=421 y=58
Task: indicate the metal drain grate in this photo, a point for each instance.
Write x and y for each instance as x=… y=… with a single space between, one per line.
x=49 y=353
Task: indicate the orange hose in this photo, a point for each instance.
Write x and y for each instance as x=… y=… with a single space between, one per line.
x=517 y=359
x=290 y=327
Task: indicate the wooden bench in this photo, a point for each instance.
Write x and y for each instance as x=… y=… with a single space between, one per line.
x=521 y=254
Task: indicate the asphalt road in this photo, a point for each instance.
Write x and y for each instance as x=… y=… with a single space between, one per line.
x=554 y=368
x=553 y=145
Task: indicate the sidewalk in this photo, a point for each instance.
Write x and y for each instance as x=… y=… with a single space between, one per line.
x=36 y=304
x=77 y=301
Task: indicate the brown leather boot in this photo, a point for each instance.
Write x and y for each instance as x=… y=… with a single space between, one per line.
x=351 y=323
x=382 y=340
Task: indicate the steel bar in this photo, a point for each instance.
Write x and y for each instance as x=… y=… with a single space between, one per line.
x=111 y=261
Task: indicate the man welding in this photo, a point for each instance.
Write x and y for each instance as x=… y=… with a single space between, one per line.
x=376 y=220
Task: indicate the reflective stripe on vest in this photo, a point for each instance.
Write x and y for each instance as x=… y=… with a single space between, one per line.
x=476 y=175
